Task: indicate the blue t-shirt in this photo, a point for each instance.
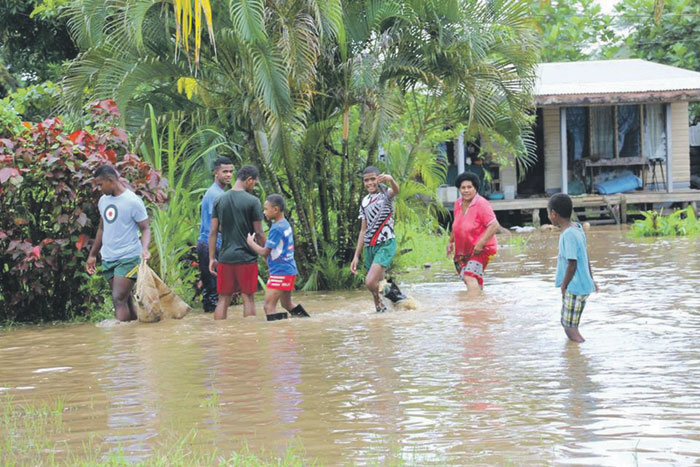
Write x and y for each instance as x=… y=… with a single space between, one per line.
x=572 y=245
x=207 y=208
x=280 y=240
x=120 y=234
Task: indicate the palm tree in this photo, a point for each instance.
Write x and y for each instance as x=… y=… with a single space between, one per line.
x=308 y=88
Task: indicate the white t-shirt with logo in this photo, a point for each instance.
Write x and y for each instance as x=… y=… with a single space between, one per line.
x=120 y=234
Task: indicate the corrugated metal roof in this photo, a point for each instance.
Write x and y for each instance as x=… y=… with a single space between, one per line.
x=612 y=77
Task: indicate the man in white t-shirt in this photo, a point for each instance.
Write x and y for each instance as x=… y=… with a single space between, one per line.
x=122 y=216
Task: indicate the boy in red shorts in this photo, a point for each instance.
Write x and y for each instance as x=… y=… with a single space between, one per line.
x=279 y=251
x=236 y=214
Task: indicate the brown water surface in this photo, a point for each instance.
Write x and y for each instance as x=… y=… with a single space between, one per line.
x=488 y=381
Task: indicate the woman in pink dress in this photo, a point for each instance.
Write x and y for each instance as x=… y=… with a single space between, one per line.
x=473 y=239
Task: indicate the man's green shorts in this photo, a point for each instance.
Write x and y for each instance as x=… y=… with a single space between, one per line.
x=125 y=267
x=381 y=254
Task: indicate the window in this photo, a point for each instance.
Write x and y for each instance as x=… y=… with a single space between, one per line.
x=602 y=132
x=655 y=131
x=629 y=140
x=577 y=133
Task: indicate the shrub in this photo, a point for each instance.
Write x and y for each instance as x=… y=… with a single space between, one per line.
x=49 y=207
x=655 y=224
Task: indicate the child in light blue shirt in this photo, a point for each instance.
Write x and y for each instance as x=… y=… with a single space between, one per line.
x=574 y=275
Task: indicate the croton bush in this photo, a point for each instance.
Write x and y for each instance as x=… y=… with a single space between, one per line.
x=48 y=201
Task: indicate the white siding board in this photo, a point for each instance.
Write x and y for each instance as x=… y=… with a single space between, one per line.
x=680 y=143
x=552 y=148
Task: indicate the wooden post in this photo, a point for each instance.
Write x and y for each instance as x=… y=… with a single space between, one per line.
x=623 y=209
x=536 y=218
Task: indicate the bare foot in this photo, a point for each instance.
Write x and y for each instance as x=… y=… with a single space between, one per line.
x=574 y=335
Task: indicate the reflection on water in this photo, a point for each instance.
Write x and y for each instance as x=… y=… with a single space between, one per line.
x=490 y=382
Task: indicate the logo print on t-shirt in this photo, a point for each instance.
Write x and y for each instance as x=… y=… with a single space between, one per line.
x=111 y=213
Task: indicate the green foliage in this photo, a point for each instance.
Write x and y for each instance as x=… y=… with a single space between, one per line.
x=175 y=225
x=308 y=91
x=655 y=224
x=328 y=273
x=572 y=30
x=10 y=121
x=34 y=432
x=518 y=241
x=33 y=47
x=49 y=213
x=673 y=40
x=420 y=245
x=34 y=103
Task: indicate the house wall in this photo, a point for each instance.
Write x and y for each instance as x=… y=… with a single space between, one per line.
x=552 y=148
x=509 y=176
x=680 y=145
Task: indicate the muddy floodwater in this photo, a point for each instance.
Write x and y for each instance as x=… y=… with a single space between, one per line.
x=456 y=381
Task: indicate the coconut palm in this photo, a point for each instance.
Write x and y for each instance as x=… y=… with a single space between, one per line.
x=309 y=88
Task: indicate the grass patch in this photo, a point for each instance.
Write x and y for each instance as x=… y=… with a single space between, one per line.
x=517 y=241
x=654 y=224
x=419 y=247
x=28 y=431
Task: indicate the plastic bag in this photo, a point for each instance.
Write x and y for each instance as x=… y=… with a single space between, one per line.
x=154 y=300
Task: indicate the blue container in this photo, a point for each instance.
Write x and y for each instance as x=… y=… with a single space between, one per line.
x=618 y=185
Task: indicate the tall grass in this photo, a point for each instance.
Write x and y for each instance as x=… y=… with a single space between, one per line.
x=420 y=245
x=175 y=226
x=655 y=224
x=328 y=274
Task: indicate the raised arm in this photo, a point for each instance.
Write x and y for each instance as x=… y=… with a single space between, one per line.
x=394 y=187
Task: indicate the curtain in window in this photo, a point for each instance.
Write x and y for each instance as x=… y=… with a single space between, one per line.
x=628 y=131
x=576 y=132
x=603 y=133
x=655 y=131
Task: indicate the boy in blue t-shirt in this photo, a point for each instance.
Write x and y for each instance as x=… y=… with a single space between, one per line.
x=279 y=251
x=574 y=274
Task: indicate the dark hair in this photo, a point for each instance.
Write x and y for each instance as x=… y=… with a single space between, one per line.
x=467 y=177
x=106 y=171
x=277 y=200
x=370 y=170
x=246 y=172
x=223 y=160
x=561 y=204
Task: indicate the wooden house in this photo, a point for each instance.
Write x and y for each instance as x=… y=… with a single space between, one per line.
x=602 y=123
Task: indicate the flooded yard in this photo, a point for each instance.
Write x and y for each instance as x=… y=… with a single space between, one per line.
x=456 y=381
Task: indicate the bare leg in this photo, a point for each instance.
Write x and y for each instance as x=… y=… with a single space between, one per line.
x=121 y=297
x=374 y=276
x=472 y=284
x=573 y=334
x=286 y=300
x=272 y=296
x=222 y=306
x=248 y=304
x=132 y=308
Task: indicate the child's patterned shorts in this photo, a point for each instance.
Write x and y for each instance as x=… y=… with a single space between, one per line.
x=571 y=309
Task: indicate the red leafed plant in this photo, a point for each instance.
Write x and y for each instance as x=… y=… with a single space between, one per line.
x=49 y=211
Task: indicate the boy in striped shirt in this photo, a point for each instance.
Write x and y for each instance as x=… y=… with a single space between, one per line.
x=377 y=232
